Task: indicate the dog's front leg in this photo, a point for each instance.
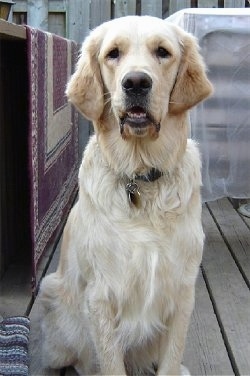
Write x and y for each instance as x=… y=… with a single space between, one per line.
x=173 y=341
x=109 y=353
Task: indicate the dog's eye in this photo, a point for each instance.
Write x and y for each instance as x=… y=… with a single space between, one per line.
x=162 y=53
x=113 y=54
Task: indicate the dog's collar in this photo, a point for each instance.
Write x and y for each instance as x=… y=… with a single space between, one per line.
x=153 y=175
x=133 y=190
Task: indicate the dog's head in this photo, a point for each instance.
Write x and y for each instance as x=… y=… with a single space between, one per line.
x=138 y=70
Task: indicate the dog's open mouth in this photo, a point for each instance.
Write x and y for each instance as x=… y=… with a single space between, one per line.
x=136 y=117
x=138 y=120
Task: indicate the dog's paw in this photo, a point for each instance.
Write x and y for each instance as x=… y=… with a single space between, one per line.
x=184 y=371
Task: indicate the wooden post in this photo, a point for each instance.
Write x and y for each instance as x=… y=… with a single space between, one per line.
x=37 y=14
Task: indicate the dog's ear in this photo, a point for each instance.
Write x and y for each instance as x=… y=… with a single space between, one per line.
x=192 y=84
x=85 y=87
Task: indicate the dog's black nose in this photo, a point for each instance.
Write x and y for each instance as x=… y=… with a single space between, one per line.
x=136 y=83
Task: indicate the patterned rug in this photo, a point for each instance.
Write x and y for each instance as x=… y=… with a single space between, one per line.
x=14 y=337
x=53 y=142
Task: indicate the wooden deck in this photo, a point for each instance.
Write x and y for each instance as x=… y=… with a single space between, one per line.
x=219 y=337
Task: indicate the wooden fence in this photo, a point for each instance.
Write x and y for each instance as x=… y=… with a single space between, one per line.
x=74 y=18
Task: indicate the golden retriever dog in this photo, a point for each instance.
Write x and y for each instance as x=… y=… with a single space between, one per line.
x=121 y=299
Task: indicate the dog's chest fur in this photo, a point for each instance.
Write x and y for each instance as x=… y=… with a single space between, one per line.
x=137 y=258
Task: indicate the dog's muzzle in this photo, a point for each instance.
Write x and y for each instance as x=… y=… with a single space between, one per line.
x=137 y=87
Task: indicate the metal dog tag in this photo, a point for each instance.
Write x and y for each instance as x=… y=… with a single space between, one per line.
x=133 y=193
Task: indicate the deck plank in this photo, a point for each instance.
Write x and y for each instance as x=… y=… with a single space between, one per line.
x=245 y=219
x=235 y=231
x=229 y=293
x=205 y=352
x=15 y=291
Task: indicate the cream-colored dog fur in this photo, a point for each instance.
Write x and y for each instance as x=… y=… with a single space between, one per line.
x=121 y=299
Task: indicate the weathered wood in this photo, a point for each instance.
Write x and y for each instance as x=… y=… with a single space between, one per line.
x=175 y=5
x=100 y=11
x=207 y=3
x=243 y=217
x=57 y=6
x=235 y=232
x=57 y=23
x=205 y=353
x=37 y=14
x=230 y=295
x=8 y=30
x=234 y=3
x=53 y=6
x=77 y=19
x=125 y=7
x=246 y=220
x=151 y=8
x=78 y=12
x=20 y=6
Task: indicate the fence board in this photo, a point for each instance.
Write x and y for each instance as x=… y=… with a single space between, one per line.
x=175 y=5
x=57 y=23
x=84 y=14
x=20 y=6
x=234 y=3
x=207 y=3
x=152 y=8
x=37 y=14
x=54 y=6
x=77 y=19
x=125 y=7
x=100 y=11
x=57 y=6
